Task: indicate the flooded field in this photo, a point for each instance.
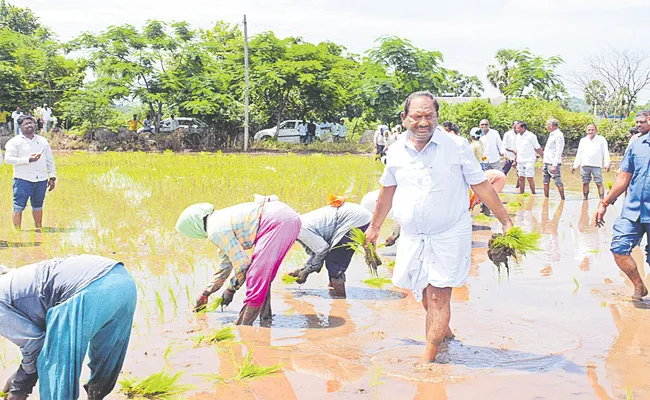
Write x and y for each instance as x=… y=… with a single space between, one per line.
x=560 y=326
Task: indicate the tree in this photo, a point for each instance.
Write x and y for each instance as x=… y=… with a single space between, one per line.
x=519 y=73
x=595 y=95
x=460 y=85
x=623 y=74
x=20 y=20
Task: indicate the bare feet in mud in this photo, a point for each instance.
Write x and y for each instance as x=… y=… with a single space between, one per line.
x=640 y=293
x=449 y=335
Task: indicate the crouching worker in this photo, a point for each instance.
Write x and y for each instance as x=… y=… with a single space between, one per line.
x=266 y=225
x=58 y=309
x=324 y=234
x=497 y=179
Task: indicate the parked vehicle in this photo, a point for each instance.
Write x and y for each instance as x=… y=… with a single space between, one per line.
x=188 y=124
x=287 y=132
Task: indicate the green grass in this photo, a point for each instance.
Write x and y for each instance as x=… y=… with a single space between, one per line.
x=288 y=280
x=159 y=386
x=377 y=282
x=218 y=335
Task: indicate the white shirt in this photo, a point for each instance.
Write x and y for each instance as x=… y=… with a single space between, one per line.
x=19 y=149
x=432 y=193
x=47 y=114
x=15 y=115
x=591 y=152
x=492 y=146
x=380 y=139
x=554 y=148
x=526 y=145
x=510 y=142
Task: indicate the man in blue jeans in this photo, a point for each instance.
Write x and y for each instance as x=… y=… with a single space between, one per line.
x=34 y=170
x=634 y=221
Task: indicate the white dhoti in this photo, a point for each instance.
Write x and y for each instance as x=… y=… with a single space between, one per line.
x=440 y=260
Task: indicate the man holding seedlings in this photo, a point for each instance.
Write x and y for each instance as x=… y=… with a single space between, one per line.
x=34 y=170
x=634 y=221
x=426 y=182
x=56 y=311
x=266 y=225
x=553 y=157
x=324 y=235
x=592 y=152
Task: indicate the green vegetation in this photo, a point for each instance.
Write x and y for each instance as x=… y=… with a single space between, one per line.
x=377 y=282
x=483 y=219
x=159 y=386
x=515 y=243
x=217 y=336
x=249 y=369
x=214 y=304
x=358 y=244
x=288 y=279
x=513 y=206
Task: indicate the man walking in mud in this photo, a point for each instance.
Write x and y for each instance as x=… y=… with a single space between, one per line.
x=634 y=221
x=426 y=182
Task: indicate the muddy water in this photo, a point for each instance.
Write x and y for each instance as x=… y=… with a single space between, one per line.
x=560 y=326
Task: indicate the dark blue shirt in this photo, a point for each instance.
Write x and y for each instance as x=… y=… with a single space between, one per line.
x=637 y=162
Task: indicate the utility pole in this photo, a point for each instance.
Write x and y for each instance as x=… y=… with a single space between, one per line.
x=245 y=85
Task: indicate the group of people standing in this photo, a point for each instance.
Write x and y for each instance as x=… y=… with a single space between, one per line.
x=43 y=116
x=309 y=130
x=57 y=310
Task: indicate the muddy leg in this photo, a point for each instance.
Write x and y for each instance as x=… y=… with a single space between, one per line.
x=560 y=189
x=339 y=287
x=17 y=219
x=585 y=190
x=38 y=219
x=531 y=183
x=601 y=190
x=266 y=313
x=628 y=266
x=522 y=184
x=247 y=315
x=438 y=316
x=546 y=190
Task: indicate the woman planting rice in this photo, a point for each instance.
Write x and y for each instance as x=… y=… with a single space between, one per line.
x=55 y=311
x=266 y=225
x=324 y=234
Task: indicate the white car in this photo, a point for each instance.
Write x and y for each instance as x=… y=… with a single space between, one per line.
x=287 y=132
x=188 y=124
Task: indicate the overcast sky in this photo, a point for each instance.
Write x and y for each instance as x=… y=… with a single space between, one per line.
x=467 y=32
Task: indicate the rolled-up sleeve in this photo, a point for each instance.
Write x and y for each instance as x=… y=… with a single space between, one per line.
x=23 y=333
x=472 y=171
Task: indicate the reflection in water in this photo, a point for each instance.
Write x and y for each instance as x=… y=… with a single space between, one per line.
x=353 y=293
x=549 y=227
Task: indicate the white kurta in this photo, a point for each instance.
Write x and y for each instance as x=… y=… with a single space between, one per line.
x=431 y=204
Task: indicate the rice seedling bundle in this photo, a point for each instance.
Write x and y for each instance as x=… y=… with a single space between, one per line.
x=218 y=335
x=250 y=369
x=288 y=279
x=377 y=282
x=515 y=243
x=159 y=386
x=358 y=244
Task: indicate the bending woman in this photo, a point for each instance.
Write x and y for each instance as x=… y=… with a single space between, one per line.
x=324 y=233
x=58 y=309
x=266 y=225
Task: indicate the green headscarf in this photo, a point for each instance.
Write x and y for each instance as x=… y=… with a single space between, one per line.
x=190 y=222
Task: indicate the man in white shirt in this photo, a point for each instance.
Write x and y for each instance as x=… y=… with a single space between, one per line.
x=47 y=117
x=592 y=155
x=380 y=140
x=492 y=145
x=553 y=157
x=510 y=145
x=426 y=183
x=34 y=170
x=527 y=146
x=15 y=115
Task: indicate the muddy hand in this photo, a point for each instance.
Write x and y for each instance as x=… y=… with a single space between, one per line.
x=372 y=234
x=226 y=298
x=201 y=301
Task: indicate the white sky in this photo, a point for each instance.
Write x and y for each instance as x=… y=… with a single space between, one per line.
x=467 y=32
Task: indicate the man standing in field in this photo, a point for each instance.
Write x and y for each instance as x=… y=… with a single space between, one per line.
x=527 y=146
x=34 y=170
x=37 y=113
x=3 y=118
x=592 y=153
x=510 y=144
x=15 y=116
x=492 y=145
x=553 y=158
x=426 y=183
x=634 y=221
x=134 y=123
x=47 y=118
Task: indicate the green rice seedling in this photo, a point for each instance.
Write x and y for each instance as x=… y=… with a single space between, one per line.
x=249 y=369
x=173 y=297
x=217 y=336
x=515 y=243
x=377 y=282
x=524 y=195
x=482 y=219
x=593 y=251
x=629 y=395
x=609 y=185
x=288 y=279
x=575 y=280
x=513 y=206
x=390 y=265
x=213 y=306
x=168 y=351
x=358 y=244
x=158 y=386
x=375 y=376
x=161 y=306
x=3 y=394
x=187 y=293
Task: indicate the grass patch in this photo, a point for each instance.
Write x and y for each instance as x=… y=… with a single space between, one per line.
x=377 y=282
x=515 y=243
x=160 y=386
x=482 y=219
x=288 y=279
x=217 y=336
x=358 y=244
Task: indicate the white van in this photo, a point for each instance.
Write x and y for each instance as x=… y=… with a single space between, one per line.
x=287 y=132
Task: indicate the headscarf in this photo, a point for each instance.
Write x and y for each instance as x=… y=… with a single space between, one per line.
x=190 y=222
x=336 y=201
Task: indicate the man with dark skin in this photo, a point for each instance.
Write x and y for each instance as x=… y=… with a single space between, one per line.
x=527 y=146
x=592 y=157
x=634 y=221
x=431 y=201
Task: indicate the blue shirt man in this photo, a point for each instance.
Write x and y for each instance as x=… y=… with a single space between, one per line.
x=634 y=221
